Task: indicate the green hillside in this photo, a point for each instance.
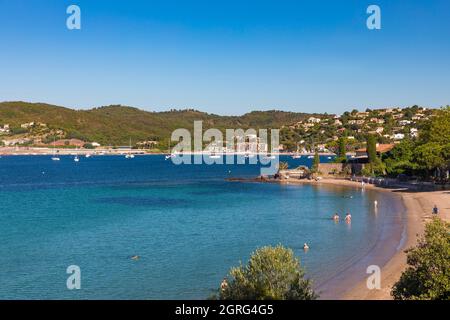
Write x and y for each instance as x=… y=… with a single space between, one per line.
x=115 y=125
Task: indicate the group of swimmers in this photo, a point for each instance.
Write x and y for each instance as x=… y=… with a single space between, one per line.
x=348 y=217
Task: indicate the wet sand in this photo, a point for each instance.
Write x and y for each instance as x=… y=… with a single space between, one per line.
x=417 y=207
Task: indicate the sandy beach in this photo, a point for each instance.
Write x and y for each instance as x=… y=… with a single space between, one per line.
x=418 y=207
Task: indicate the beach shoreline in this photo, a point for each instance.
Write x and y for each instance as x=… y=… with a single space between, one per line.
x=418 y=206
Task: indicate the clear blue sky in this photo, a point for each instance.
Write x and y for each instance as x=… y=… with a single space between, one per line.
x=226 y=57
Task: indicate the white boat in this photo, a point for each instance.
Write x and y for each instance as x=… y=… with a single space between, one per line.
x=169 y=155
x=76 y=158
x=310 y=157
x=88 y=155
x=54 y=157
x=297 y=154
x=269 y=157
x=214 y=156
x=129 y=155
x=329 y=158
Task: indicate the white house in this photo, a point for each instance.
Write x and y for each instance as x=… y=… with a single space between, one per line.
x=379 y=130
x=4 y=129
x=314 y=120
x=414 y=132
x=404 y=122
x=27 y=125
x=399 y=136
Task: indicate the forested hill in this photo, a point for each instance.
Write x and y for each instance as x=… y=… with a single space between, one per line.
x=115 y=125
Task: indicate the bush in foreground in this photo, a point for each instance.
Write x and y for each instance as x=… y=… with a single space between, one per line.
x=428 y=274
x=272 y=273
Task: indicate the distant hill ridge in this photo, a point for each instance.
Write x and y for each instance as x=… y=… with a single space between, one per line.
x=116 y=124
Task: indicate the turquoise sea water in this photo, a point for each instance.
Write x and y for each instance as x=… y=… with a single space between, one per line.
x=187 y=223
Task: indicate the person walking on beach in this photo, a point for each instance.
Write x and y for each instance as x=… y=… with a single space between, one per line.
x=435 y=210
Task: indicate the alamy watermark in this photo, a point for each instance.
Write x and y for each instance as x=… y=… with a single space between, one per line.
x=374 y=280
x=74 y=280
x=374 y=20
x=73 y=22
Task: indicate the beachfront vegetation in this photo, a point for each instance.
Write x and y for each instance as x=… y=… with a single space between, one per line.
x=428 y=274
x=272 y=273
x=283 y=166
x=316 y=162
x=341 y=151
x=426 y=156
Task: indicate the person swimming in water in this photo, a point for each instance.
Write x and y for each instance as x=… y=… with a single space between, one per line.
x=305 y=246
x=348 y=217
x=336 y=217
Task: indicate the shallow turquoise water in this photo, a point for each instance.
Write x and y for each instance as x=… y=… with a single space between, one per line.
x=187 y=224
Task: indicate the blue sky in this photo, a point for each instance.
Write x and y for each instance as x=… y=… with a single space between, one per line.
x=226 y=57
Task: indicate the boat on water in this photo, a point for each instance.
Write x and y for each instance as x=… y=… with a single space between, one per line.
x=169 y=155
x=129 y=155
x=215 y=156
x=269 y=157
x=310 y=157
x=76 y=158
x=297 y=154
x=87 y=155
x=54 y=157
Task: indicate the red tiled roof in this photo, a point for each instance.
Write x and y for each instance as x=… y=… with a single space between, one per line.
x=381 y=148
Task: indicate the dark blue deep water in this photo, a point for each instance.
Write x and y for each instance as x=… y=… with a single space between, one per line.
x=187 y=223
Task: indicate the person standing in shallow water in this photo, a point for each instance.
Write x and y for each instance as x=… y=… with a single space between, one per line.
x=348 y=217
x=224 y=284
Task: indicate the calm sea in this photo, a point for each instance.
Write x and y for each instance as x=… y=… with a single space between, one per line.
x=187 y=224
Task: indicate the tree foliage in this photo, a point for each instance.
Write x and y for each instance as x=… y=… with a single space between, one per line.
x=428 y=274
x=116 y=124
x=371 y=148
x=427 y=154
x=272 y=273
x=316 y=162
x=342 y=150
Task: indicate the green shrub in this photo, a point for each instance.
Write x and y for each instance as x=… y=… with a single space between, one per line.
x=428 y=274
x=272 y=273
